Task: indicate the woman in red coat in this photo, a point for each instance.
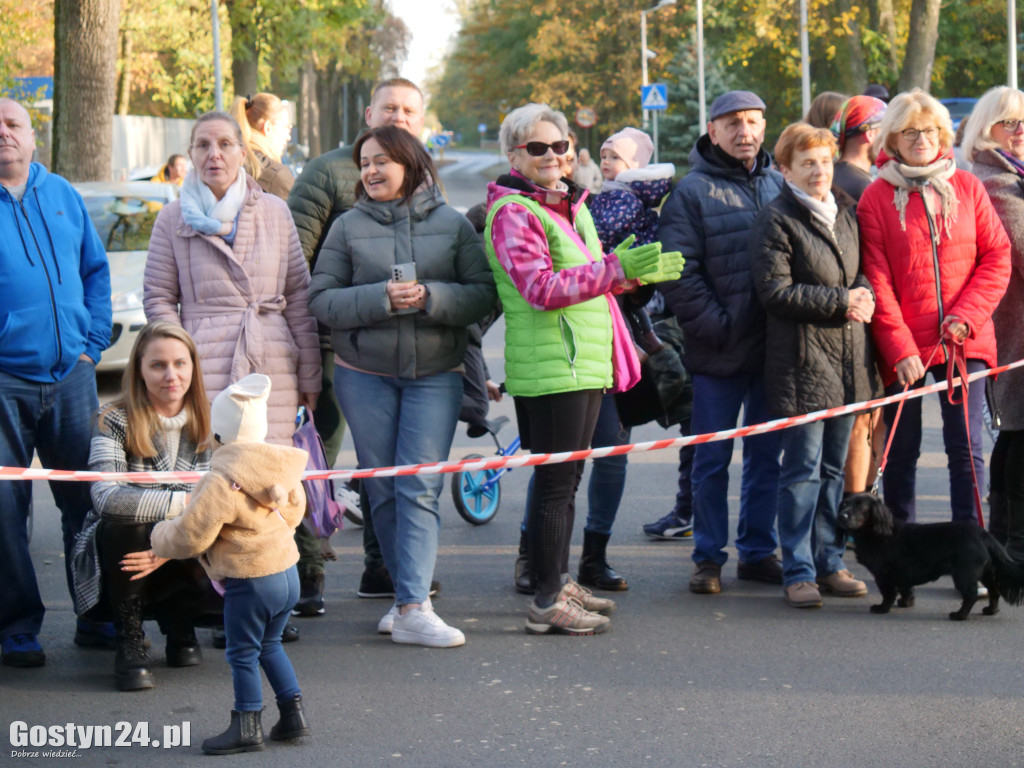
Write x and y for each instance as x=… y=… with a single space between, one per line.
x=938 y=260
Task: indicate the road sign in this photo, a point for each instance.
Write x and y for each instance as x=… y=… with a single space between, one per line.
x=482 y=128
x=586 y=117
x=440 y=140
x=654 y=96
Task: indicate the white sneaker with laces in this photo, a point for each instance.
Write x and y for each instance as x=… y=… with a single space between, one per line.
x=387 y=621
x=421 y=626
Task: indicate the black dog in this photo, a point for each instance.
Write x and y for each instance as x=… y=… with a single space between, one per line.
x=902 y=555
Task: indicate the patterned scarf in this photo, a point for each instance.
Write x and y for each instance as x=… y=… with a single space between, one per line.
x=916 y=178
x=1015 y=163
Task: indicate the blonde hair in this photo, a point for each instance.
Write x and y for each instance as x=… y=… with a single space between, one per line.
x=141 y=417
x=902 y=110
x=999 y=103
x=252 y=114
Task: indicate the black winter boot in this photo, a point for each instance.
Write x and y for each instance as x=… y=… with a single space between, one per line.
x=524 y=579
x=292 y=724
x=998 y=509
x=131 y=672
x=311 y=594
x=245 y=734
x=182 y=646
x=594 y=569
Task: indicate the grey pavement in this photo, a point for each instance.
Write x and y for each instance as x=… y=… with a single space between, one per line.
x=737 y=679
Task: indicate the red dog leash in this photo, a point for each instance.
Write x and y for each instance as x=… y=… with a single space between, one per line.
x=956 y=363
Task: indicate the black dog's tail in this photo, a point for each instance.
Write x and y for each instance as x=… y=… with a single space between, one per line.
x=1009 y=572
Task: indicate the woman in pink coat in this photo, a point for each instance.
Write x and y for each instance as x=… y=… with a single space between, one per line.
x=225 y=262
x=938 y=260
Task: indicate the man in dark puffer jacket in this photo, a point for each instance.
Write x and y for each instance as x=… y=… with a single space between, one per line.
x=708 y=217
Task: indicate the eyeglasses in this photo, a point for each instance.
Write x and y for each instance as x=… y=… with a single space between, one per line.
x=539 y=148
x=912 y=134
x=1010 y=125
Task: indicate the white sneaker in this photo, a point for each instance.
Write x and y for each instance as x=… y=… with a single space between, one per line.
x=421 y=626
x=387 y=622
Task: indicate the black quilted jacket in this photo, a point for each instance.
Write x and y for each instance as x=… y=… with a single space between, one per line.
x=814 y=357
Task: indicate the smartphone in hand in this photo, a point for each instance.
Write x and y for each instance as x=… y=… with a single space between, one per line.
x=404 y=273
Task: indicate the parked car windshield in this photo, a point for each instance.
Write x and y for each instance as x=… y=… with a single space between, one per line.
x=124 y=213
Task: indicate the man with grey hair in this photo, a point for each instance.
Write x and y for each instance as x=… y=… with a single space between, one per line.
x=708 y=217
x=324 y=191
x=56 y=320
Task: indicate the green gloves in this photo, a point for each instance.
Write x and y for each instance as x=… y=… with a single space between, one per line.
x=647 y=263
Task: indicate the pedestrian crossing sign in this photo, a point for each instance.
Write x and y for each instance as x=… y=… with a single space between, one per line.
x=654 y=96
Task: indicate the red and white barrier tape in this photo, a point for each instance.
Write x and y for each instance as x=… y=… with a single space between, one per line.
x=525 y=460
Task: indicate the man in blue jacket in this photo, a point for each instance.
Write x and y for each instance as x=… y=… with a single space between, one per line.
x=708 y=217
x=55 y=321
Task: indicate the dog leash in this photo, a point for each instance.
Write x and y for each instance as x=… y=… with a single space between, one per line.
x=956 y=363
x=892 y=430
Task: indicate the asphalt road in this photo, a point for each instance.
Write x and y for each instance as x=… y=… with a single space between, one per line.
x=737 y=679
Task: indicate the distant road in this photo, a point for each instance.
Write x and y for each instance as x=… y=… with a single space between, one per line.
x=463 y=180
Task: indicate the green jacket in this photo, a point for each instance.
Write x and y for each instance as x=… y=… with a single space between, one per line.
x=558 y=350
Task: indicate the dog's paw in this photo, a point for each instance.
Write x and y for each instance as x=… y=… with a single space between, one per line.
x=906 y=602
x=988 y=610
x=880 y=608
x=957 y=616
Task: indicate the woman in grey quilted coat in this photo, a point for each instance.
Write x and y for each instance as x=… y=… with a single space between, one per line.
x=160 y=423
x=994 y=143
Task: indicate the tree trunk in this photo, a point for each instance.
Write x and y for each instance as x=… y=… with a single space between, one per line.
x=124 y=88
x=309 y=130
x=245 y=53
x=855 y=75
x=882 y=19
x=921 y=40
x=84 y=87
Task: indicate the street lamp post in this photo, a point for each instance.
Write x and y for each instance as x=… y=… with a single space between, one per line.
x=643 y=62
x=1011 y=43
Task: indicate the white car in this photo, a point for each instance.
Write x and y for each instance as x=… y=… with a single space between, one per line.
x=123 y=214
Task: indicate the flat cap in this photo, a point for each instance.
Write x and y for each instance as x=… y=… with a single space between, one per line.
x=735 y=101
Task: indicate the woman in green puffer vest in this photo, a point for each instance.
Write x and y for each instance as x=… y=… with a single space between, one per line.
x=565 y=340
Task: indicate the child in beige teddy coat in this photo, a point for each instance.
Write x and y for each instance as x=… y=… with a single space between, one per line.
x=240 y=522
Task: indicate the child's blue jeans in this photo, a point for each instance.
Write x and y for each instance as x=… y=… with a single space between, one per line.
x=255 y=614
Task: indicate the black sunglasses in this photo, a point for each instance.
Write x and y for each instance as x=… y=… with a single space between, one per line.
x=539 y=148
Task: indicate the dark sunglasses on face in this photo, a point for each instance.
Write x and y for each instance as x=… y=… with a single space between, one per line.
x=539 y=148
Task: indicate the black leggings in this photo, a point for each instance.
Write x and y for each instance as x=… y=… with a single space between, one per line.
x=1007 y=470
x=551 y=424
x=177 y=594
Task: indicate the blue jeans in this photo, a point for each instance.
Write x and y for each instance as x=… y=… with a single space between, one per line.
x=810 y=489
x=716 y=407
x=607 y=476
x=54 y=419
x=899 y=484
x=402 y=421
x=255 y=614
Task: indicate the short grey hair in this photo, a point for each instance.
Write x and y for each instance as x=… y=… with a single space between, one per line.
x=520 y=122
x=999 y=103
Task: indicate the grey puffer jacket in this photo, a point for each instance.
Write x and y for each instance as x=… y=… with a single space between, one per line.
x=348 y=291
x=708 y=218
x=814 y=357
x=1006 y=191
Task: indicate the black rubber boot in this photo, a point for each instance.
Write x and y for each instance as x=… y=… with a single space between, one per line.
x=131 y=672
x=524 y=579
x=245 y=734
x=998 y=513
x=292 y=724
x=311 y=594
x=594 y=569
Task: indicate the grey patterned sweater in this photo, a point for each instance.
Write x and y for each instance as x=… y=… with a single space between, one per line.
x=123 y=501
